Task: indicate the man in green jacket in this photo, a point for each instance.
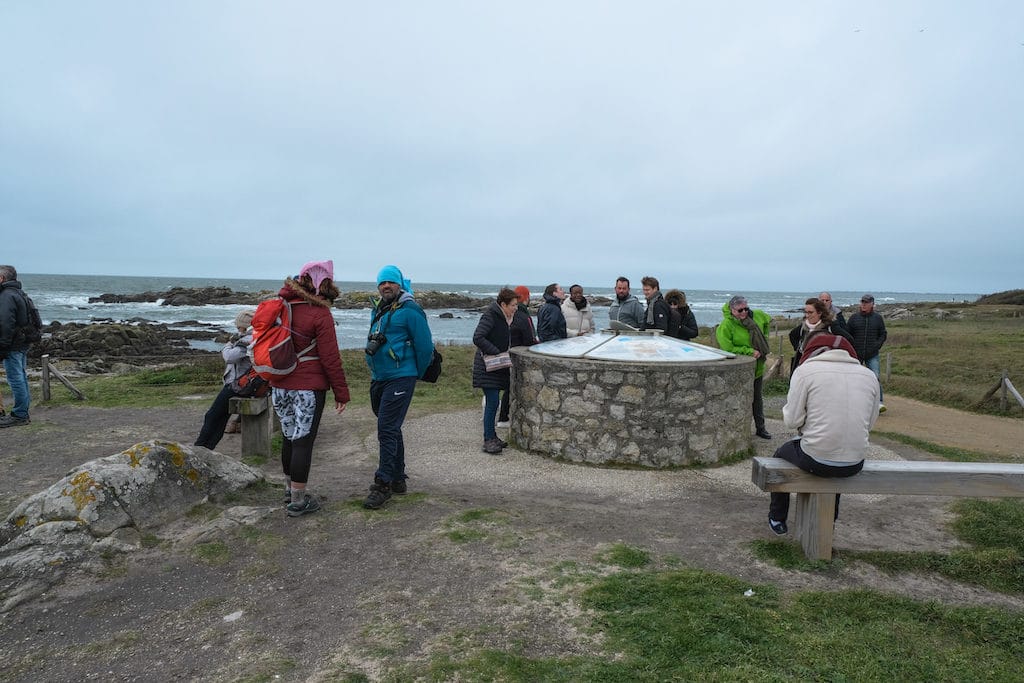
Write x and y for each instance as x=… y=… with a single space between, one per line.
x=745 y=332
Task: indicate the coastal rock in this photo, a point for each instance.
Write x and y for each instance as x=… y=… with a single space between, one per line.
x=427 y=300
x=103 y=506
x=78 y=340
x=186 y=296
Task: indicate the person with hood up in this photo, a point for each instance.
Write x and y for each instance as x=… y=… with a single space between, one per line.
x=579 y=317
x=682 y=323
x=300 y=397
x=550 y=319
x=493 y=336
x=399 y=348
x=744 y=331
x=833 y=404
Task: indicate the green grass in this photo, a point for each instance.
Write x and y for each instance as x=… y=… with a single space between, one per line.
x=692 y=625
x=625 y=556
x=947 y=452
x=994 y=558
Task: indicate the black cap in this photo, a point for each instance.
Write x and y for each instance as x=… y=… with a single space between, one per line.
x=867 y=299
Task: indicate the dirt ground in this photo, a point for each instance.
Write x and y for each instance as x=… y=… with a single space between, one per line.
x=470 y=558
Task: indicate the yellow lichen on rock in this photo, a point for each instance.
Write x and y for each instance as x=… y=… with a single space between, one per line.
x=82 y=490
x=192 y=475
x=135 y=454
x=177 y=455
x=20 y=521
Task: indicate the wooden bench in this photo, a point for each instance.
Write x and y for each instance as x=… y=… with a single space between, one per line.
x=815 y=496
x=257 y=424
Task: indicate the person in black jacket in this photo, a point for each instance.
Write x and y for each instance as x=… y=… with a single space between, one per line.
x=13 y=346
x=493 y=336
x=868 y=331
x=817 y=320
x=550 y=319
x=682 y=323
x=658 y=313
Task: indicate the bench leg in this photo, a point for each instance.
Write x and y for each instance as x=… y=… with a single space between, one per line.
x=256 y=431
x=815 y=522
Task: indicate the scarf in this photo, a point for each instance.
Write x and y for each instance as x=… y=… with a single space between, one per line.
x=650 y=309
x=757 y=339
x=580 y=305
x=807 y=332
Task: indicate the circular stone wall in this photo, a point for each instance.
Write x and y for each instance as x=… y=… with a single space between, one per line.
x=630 y=412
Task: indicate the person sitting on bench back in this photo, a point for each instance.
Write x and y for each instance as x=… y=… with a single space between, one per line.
x=833 y=404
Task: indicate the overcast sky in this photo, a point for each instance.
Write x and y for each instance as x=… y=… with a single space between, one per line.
x=740 y=145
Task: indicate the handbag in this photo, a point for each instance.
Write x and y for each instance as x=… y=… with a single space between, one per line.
x=433 y=370
x=250 y=385
x=498 y=361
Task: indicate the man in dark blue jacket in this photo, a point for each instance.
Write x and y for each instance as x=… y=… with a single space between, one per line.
x=868 y=331
x=13 y=321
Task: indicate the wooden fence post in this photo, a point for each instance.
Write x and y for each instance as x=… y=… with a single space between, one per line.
x=1003 y=382
x=46 y=376
x=888 y=365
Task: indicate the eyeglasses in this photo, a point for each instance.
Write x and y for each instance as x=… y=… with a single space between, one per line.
x=743 y=310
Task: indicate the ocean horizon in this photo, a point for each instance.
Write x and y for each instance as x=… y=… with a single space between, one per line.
x=65 y=298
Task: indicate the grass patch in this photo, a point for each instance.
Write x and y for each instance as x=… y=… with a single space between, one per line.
x=789 y=555
x=480 y=524
x=692 y=625
x=947 y=452
x=214 y=553
x=995 y=529
x=625 y=556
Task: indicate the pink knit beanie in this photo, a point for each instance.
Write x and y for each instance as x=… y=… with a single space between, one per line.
x=318 y=271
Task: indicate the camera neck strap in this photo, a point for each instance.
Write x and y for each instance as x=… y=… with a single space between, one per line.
x=381 y=312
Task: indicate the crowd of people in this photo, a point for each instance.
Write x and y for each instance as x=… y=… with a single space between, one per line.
x=835 y=362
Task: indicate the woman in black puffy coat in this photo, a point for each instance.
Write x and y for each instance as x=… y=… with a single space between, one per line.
x=493 y=335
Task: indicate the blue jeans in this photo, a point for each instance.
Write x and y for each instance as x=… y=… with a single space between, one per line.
x=875 y=365
x=390 y=401
x=17 y=378
x=491 y=404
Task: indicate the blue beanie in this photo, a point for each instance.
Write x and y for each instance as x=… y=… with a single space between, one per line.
x=393 y=274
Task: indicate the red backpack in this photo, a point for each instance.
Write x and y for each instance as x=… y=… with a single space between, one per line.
x=272 y=351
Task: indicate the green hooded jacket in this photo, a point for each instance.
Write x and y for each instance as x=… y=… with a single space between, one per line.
x=735 y=338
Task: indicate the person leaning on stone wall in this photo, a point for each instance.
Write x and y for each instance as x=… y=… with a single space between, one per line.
x=744 y=331
x=626 y=308
x=682 y=323
x=13 y=345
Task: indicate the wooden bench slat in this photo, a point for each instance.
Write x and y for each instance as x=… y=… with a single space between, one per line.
x=897 y=477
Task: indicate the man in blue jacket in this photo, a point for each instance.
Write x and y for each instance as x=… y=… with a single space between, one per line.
x=399 y=348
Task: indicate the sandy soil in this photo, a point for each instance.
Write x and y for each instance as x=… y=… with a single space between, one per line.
x=471 y=557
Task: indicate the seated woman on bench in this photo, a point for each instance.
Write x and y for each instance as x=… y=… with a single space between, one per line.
x=237 y=364
x=833 y=404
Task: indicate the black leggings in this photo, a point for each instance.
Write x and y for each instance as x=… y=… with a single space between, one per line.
x=297 y=456
x=790 y=451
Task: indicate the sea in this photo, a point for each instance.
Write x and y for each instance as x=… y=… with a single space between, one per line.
x=65 y=298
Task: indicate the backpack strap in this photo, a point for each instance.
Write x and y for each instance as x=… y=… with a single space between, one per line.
x=300 y=355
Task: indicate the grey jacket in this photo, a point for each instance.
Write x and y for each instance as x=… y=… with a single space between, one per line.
x=630 y=311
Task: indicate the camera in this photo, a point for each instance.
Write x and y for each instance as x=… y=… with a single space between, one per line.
x=374 y=342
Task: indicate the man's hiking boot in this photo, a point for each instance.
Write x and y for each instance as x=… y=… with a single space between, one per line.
x=309 y=504
x=380 y=492
x=13 y=421
x=398 y=487
x=492 y=446
x=501 y=442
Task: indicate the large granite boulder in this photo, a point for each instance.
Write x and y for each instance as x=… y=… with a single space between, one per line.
x=104 y=505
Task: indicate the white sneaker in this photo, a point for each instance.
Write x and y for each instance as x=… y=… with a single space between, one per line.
x=506 y=423
x=881 y=408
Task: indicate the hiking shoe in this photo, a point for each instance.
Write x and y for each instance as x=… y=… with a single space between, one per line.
x=287 y=497
x=763 y=433
x=778 y=527
x=492 y=446
x=881 y=408
x=501 y=442
x=503 y=424
x=13 y=421
x=309 y=504
x=380 y=492
x=398 y=487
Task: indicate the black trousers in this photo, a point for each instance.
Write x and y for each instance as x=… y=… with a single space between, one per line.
x=790 y=451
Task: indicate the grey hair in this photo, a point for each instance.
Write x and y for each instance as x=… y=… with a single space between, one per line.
x=736 y=301
x=8 y=273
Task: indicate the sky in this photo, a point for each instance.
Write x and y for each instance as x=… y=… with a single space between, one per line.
x=744 y=145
